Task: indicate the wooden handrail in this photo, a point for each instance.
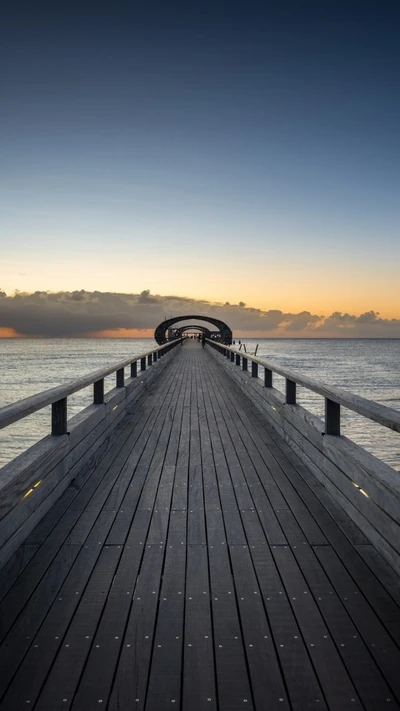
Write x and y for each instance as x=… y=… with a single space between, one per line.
x=386 y=416
x=22 y=408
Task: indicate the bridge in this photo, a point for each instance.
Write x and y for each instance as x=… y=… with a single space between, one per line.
x=196 y=540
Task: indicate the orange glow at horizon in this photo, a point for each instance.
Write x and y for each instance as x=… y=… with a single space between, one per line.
x=9 y=333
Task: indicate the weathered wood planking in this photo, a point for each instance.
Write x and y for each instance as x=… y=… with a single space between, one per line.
x=199 y=565
x=366 y=489
x=31 y=484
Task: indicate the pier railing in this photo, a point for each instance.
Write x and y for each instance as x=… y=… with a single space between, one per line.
x=57 y=397
x=334 y=397
x=365 y=487
x=32 y=482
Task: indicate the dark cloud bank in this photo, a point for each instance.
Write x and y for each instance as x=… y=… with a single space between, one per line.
x=80 y=313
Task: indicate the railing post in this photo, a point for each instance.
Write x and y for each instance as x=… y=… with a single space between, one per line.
x=244 y=363
x=120 y=378
x=143 y=364
x=150 y=359
x=59 y=417
x=232 y=356
x=237 y=359
x=332 y=417
x=134 y=369
x=98 y=392
x=267 y=378
x=254 y=369
x=155 y=357
x=290 y=392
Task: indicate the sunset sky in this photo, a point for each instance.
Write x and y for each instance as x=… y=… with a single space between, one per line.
x=241 y=152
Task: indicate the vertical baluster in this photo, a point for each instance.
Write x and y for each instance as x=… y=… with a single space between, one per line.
x=290 y=392
x=134 y=369
x=237 y=359
x=332 y=417
x=143 y=363
x=267 y=378
x=120 y=378
x=59 y=417
x=98 y=392
x=254 y=369
x=244 y=363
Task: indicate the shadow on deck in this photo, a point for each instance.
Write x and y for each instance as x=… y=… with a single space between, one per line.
x=198 y=567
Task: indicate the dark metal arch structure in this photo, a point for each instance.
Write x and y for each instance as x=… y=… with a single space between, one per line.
x=223 y=335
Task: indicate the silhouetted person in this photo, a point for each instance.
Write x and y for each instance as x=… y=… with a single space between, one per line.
x=203 y=340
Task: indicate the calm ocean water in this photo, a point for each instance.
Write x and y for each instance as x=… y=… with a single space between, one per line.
x=366 y=367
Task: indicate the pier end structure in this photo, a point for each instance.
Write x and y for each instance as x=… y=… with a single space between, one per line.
x=168 y=331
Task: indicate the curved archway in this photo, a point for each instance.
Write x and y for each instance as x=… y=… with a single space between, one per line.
x=223 y=335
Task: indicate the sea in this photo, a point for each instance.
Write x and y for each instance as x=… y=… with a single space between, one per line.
x=367 y=367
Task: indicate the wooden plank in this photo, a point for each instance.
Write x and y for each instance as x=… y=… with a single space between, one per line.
x=56 y=607
x=131 y=676
x=112 y=624
x=263 y=440
x=373 y=589
x=162 y=507
x=166 y=664
x=307 y=485
x=20 y=475
x=180 y=489
x=385 y=652
x=54 y=642
x=378 y=527
x=99 y=662
x=15 y=566
x=233 y=684
x=232 y=520
x=63 y=503
x=199 y=684
x=91 y=432
x=267 y=683
x=336 y=684
x=196 y=534
x=243 y=472
x=19 y=594
x=311 y=530
x=365 y=674
x=17 y=641
x=384 y=573
x=302 y=683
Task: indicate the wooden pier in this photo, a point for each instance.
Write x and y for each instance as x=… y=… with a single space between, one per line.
x=169 y=548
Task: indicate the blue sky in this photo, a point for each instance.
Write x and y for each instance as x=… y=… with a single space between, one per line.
x=137 y=141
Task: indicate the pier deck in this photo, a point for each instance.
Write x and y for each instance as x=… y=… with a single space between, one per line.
x=199 y=566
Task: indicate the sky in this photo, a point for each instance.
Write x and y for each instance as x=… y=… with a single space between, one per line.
x=241 y=152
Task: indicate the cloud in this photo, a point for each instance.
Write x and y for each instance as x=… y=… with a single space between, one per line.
x=80 y=313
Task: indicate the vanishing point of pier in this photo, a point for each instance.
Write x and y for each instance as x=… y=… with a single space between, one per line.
x=196 y=540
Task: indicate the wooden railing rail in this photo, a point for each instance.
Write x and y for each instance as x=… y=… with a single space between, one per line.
x=334 y=397
x=57 y=397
